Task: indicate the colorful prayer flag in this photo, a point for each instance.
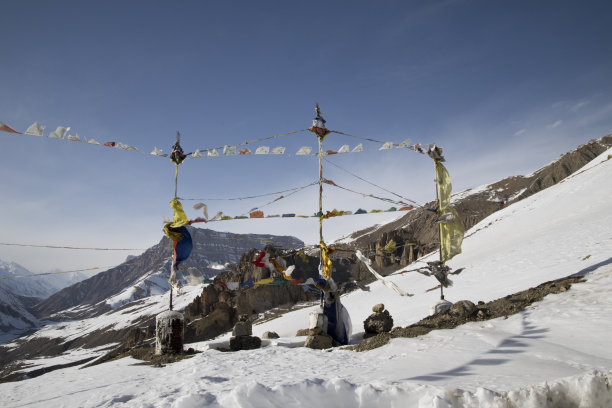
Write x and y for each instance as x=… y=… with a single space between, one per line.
x=6 y=128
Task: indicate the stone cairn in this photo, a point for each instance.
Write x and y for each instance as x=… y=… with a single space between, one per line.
x=378 y=322
x=169 y=332
x=242 y=335
x=317 y=333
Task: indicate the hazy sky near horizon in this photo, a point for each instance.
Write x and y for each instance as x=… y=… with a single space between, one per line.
x=503 y=87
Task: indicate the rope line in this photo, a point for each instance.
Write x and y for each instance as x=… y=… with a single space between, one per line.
x=71 y=247
x=252 y=141
x=369 y=182
x=247 y=197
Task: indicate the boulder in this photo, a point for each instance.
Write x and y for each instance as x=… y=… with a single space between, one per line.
x=245 y=343
x=463 y=308
x=270 y=335
x=319 y=341
x=242 y=329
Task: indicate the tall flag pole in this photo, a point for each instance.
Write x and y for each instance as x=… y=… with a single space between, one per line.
x=319 y=128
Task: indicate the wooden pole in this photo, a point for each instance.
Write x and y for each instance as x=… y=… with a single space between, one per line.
x=439 y=226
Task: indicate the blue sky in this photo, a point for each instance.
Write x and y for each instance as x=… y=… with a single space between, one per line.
x=504 y=87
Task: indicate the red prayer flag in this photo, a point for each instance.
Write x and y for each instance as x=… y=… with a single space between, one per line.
x=6 y=128
x=109 y=144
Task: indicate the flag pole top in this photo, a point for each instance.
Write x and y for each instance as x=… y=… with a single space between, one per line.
x=318 y=124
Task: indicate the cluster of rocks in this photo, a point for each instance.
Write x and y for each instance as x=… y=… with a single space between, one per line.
x=378 y=322
x=317 y=333
x=242 y=335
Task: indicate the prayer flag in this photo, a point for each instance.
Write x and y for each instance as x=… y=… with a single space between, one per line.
x=404 y=144
x=386 y=146
x=74 y=138
x=156 y=151
x=304 y=151
x=451 y=228
x=59 y=133
x=244 y=150
x=278 y=150
x=358 y=148
x=262 y=150
x=197 y=154
x=6 y=128
x=213 y=153
x=93 y=142
x=344 y=149
x=35 y=129
x=108 y=144
x=229 y=150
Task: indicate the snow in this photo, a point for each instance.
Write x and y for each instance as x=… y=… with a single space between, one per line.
x=554 y=353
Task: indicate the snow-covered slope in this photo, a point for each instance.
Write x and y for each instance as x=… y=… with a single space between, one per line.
x=555 y=353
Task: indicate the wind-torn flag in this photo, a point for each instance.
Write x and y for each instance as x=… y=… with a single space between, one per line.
x=451 y=227
x=6 y=128
x=59 y=133
x=182 y=244
x=35 y=129
x=203 y=207
x=386 y=282
x=404 y=144
x=229 y=150
x=304 y=151
x=213 y=153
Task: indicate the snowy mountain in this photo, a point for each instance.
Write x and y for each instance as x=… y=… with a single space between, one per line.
x=553 y=353
x=147 y=274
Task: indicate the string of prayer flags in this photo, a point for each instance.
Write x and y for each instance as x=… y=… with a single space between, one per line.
x=6 y=128
x=35 y=129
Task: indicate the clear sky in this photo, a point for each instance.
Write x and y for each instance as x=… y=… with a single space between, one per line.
x=504 y=87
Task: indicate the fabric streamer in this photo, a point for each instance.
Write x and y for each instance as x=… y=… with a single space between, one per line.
x=451 y=228
x=386 y=282
x=6 y=128
x=35 y=129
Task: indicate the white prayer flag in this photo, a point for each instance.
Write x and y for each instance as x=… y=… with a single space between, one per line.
x=304 y=151
x=59 y=133
x=202 y=206
x=344 y=149
x=229 y=150
x=358 y=148
x=74 y=138
x=387 y=146
x=35 y=129
x=213 y=153
x=197 y=154
x=156 y=151
x=262 y=150
x=278 y=150
x=93 y=142
x=404 y=144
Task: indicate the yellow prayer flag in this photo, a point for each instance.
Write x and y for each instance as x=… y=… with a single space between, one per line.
x=451 y=228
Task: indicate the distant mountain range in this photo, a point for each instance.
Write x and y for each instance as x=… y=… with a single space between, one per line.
x=148 y=274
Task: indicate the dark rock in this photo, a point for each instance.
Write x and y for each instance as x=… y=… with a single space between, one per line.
x=245 y=343
x=242 y=328
x=463 y=308
x=378 y=322
x=302 y=332
x=319 y=342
